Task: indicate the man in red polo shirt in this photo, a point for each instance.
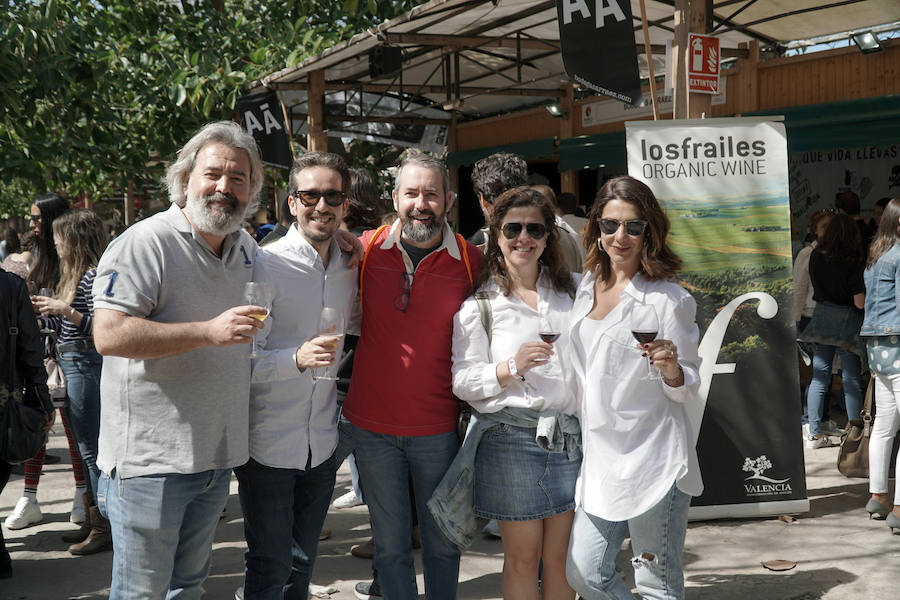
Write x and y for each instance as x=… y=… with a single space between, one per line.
x=401 y=410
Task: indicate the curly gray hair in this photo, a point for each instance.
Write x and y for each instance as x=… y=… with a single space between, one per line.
x=223 y=132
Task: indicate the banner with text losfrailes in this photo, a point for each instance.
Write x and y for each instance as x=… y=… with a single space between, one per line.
x=724 y=186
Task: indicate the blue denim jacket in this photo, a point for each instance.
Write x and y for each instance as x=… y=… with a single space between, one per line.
x=452 y=504
x=883 y=295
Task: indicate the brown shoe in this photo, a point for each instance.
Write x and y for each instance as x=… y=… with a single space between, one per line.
x=81 y=534
x=364 y=550
x=100 y=538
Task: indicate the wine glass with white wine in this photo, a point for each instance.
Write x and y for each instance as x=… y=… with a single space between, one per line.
x=258 y=293
x=331 y=326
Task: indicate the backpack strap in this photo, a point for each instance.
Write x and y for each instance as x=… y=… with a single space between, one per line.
x=487 y=316
x=362 y=268
x=461 y=242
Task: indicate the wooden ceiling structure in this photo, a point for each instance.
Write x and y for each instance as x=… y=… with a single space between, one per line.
x=468 y=59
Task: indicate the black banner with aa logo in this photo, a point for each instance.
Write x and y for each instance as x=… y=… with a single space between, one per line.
x=264 y=120
x=597 y=44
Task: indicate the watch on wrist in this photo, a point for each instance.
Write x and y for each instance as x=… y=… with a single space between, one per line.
x=511 y=365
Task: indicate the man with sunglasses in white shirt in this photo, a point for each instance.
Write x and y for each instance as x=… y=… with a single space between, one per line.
x=286 y=486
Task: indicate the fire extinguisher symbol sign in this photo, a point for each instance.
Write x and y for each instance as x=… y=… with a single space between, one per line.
x=703 y=63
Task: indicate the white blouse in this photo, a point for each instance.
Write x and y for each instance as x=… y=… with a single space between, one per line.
x=636 y=434
x=549 y=387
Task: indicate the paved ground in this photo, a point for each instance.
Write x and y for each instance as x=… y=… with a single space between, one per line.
x=840 y=553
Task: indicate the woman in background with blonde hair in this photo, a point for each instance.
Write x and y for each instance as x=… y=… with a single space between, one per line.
x=80 y=240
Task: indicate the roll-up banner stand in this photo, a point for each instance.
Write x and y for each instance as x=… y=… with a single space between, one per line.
x=724 y=186
x=263 y=119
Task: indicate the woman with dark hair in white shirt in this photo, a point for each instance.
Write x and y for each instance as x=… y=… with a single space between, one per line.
x=507 y=366
x=640 y=466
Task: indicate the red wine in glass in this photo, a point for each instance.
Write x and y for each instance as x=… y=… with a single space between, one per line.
x=549 y=336
x=644 y=337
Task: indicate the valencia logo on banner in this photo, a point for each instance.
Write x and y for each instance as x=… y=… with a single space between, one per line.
x=264 y=120
x=597 y=43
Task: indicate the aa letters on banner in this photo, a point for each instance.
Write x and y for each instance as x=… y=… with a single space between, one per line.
x=597 y=46
x=264 y=120
x=724 y=186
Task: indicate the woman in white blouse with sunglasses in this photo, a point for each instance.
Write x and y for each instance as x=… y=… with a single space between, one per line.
x=640 y=467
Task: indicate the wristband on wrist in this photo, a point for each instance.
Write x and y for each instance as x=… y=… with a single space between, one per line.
x=511 y=365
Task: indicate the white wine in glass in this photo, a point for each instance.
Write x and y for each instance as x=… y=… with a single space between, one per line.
x=331 y=325
x=259 y=294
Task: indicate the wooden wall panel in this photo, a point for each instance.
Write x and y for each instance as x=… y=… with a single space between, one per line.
x=525 y=126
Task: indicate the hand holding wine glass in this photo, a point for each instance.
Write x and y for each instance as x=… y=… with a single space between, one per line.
x=331 y=329
x=259 y=294
x=645 y=327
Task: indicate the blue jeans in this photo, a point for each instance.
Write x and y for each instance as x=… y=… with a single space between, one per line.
x=82 y=373
x=657 y=541
x=386 y=463
x=284 y=510
x=162 y=529
x=821 y=375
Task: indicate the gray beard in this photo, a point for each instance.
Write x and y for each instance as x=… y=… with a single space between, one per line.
x=213 y=221
x=418 y=233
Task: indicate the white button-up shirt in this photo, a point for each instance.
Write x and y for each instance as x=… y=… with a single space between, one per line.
x=636 y=434
x=514 y=323
x=290 y=414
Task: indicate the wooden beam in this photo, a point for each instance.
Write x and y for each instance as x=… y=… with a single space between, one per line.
x=469 y=41
x=316 y=139
x=680 y=55
x=726 y=52
x=699 y=105
x=383 y=88
x=379 y=119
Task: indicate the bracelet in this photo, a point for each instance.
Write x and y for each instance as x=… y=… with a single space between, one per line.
x=678 y=378
x=511 y=365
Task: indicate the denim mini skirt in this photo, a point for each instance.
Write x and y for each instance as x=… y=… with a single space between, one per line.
x=516 y=480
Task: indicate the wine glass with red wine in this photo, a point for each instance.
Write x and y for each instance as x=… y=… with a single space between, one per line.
x=645 y=327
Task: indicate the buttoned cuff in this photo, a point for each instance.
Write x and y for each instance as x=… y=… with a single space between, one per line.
x=286 y=364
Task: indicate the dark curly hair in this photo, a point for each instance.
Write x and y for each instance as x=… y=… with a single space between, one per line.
x=658 y=261
x=494 y=174
x=493 y=265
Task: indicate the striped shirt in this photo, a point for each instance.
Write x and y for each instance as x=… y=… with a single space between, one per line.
x=83 y=303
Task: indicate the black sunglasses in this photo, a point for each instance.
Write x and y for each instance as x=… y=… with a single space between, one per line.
x=401 y=300
x=310 y=198
x=634 y=227
x=512 y=230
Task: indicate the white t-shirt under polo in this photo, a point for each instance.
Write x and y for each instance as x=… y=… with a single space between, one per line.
x=185 y=413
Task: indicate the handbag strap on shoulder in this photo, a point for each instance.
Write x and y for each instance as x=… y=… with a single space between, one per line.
x=13 y=304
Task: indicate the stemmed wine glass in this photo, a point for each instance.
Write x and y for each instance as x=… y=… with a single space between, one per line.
x=645 y=327
x=259 y=294
x=548 y=331
x=331 y=325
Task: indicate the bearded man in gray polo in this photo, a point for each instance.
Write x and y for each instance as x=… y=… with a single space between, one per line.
x=174 y=331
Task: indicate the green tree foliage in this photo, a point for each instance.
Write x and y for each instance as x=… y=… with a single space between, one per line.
x=94 y=93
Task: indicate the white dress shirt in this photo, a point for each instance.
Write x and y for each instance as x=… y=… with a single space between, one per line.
x=290 y=414
x=636 y=434
x=514 y=323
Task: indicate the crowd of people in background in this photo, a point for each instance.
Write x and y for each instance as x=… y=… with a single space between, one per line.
x=566 y=336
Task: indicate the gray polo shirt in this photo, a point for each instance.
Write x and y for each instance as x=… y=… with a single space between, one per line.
x=185 y=413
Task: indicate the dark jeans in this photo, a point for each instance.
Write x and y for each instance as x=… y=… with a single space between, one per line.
x=5 y=470
x=284 y=510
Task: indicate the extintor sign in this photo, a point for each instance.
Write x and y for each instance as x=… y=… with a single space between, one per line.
x=703 y=64
x=262 y=118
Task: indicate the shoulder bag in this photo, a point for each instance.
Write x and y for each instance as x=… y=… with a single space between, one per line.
x=853 y=457
x=21 y=427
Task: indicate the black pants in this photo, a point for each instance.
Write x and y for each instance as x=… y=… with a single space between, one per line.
x=5 y=470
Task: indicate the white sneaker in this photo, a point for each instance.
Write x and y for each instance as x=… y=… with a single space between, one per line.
x=348 y=500
x=492 y=528
x=26 y=513
x=77 y=516
x=821 y=440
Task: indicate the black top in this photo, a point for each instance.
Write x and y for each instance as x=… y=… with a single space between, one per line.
x=29 y=368
x=836 y=280
x=416 y=254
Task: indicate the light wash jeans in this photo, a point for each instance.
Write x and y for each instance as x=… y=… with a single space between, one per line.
x=881 y=443
x=657 y=541
x=821 y=374
x=162 y=529
x=385 y=464
x=82 y=373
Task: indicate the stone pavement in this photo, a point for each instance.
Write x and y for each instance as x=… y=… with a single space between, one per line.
x=840 y=553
